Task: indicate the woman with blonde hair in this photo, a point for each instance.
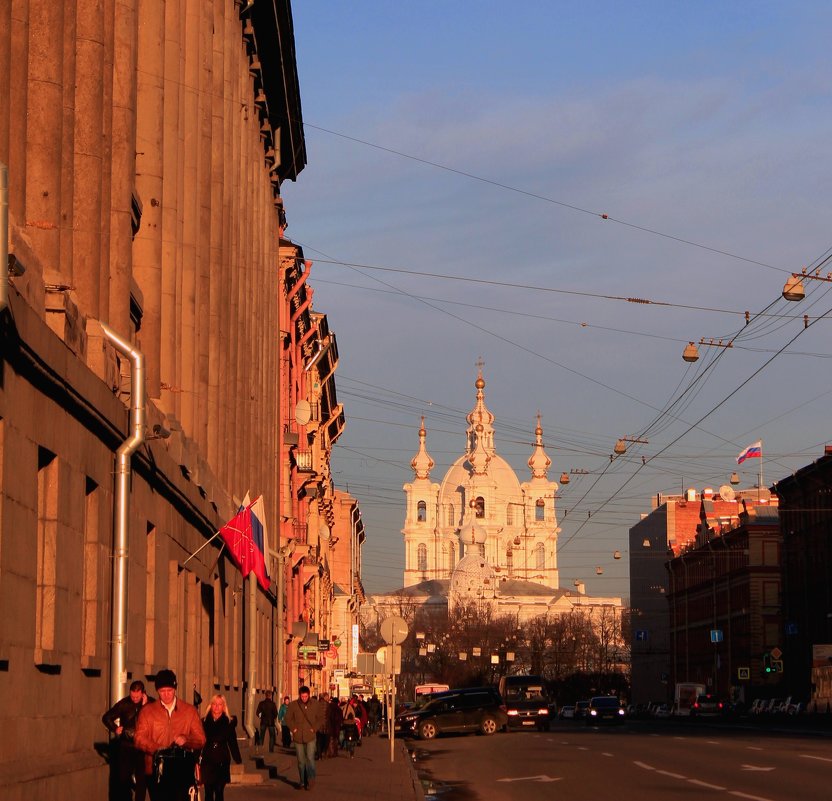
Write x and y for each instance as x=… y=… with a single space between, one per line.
x=220 y=747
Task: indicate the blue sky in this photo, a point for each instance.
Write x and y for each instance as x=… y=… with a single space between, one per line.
x=701 y=122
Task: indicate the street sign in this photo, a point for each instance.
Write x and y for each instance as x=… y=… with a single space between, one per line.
x=776 y=653
x=743 y=673
x=716 y=635
x=393 y=630
x=642 y=635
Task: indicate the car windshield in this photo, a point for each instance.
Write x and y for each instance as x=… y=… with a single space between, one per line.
x=524 y=693
x=605 y=702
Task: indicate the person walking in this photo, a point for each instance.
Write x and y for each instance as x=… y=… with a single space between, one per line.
x=303 y=717
x=219 y=749
x=169 y=732
x=126 y=761
x=285 y=734
x=334 y=718
x=267 y=712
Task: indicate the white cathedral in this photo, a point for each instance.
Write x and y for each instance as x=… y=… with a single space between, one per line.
x=482 y=535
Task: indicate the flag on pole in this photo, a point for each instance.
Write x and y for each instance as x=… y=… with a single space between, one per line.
x=245 y=536
x=751 y=452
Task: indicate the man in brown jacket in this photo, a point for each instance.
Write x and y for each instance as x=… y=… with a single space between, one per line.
x=170 y=733
x=304 y=717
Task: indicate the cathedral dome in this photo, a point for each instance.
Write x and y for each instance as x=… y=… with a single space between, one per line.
x=472 y=578
x=507 y=487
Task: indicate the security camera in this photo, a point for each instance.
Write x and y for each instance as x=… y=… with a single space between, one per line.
x=16 y=267
x=158 y=431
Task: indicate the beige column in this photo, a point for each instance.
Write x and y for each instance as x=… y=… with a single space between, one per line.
x=45 y=130
x=150 y=135
x=107 y=10
x=67 y=205
x=5 y=77
x=16 y=120
x=89 y=115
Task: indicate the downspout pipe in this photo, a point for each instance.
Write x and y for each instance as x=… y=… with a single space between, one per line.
x=118 y=601
x=4 y=237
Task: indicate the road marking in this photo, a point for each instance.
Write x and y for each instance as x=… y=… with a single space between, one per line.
x=754 y=748
x=605 y=753
x=811 y=756
x=709 y=786
x=680 y=738
x=582 y=748
x=542 y=778
x=755 y=767
x=712 y=742
x=671 y=774
x=643 y=765
x=746 y=795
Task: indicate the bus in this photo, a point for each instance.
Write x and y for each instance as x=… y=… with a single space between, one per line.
x=686 y=694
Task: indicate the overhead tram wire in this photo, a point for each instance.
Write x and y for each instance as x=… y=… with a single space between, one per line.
x=573 y=207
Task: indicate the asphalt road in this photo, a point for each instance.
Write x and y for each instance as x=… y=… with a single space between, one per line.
x=638 y=761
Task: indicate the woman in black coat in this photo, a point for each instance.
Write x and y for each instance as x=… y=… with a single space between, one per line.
x=220 y=747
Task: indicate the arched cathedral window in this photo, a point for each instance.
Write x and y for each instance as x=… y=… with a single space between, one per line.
x=509 y=515
x=510 y=560
x=479 y=506
x=451 y=520
x=539 y=556
x=422 y=557
x=421 y=512
x=539 y=510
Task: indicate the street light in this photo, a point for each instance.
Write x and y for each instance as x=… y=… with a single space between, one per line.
x=793 y=289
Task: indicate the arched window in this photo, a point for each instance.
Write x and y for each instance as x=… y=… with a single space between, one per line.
x=479 y=506
x=421 y=512
x=509 y=515
x=452 y=556
x=539 y=510
x=539 y=556
x=451 y=519
x=422 y=557
x=510 y=561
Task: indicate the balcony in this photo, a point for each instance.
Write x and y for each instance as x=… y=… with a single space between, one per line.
x=304 y=461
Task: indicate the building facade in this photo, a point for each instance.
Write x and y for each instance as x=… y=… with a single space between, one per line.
x=154 y=355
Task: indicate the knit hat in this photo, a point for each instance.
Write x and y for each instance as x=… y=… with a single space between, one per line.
x=303 y=690
x=165 y=678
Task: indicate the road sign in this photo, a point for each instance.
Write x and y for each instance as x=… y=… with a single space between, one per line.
x=776 y=653
x=716 y=635
x=743 y=673
x=393 y=630
x=642 y=635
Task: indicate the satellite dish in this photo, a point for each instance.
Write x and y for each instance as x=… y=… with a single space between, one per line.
x=727 y=493
x=303 y=412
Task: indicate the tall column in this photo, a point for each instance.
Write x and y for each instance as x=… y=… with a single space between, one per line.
x=18 y=89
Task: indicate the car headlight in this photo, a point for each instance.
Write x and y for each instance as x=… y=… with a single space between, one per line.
x=513 y=712
x=543 y=711
x=593 y=712
x=620 y=711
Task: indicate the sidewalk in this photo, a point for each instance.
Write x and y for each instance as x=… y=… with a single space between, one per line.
x=368 y=776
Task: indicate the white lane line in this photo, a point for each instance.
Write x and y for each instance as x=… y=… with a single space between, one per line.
x=747 y=795
x=643 y=765
x=671 y=774
x=712 y=742
x=754 y=748
x=606 y=753
x=812 y=756
x=680 y=738
x=706 y=785
x=582 y=748
x=756 y=767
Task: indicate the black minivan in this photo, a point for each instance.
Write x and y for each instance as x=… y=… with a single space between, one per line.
x=471 y=709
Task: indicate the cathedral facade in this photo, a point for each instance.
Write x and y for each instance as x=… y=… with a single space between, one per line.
x=516 y=521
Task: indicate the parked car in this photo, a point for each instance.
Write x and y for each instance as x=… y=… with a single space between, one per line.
x=707 y=704
x=567 y=712
x=471 y=709
x=580 y=709
x=605 y=709
x=661 y=711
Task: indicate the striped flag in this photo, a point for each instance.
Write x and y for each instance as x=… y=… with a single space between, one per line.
x=245 y=536
x=751 y=452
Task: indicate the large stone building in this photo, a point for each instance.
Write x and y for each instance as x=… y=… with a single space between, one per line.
x=160 y=358
x=481 y=534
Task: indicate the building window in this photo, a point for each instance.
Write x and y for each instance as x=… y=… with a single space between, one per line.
x=422 y=557
x=451 y=519
x=150 y=596
x=509 y=515
x=47 y=543
x=452 y=552
x=95 y=578
x=479 y=506
x=510 y=560
x=539 y=557
x=421 y=512
x=539 y=510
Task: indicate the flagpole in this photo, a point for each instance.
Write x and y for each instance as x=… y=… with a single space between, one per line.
x=204 y=545
x=760 y=489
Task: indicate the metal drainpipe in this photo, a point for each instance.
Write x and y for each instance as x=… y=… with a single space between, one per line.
x=118 y=604
x=4 y=237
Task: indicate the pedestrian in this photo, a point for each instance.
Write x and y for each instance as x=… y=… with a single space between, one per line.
x=267 y=712
x=373 y=714
x=126 y=761
x=303 y=717
x=285 y=734
x=334 y=718
x=170 y=733
x=219 y=749
x=321 y=736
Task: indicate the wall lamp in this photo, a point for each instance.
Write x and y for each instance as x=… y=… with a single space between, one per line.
x=158 y=431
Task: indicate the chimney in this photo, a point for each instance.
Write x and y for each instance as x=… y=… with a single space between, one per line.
x=708 y=493
x=691 y=494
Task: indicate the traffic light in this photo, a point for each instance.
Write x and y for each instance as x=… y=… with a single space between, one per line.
x=767 y=668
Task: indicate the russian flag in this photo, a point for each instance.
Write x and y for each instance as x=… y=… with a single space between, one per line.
x=246 y=538
x=752 y=451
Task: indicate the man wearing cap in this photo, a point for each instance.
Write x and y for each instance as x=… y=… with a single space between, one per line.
x=126 y=760
x=164 y=724
x=304 y=717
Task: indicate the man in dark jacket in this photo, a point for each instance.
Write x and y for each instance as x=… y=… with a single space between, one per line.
x=126 y=761
x=267 y=712
x=304 y=718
